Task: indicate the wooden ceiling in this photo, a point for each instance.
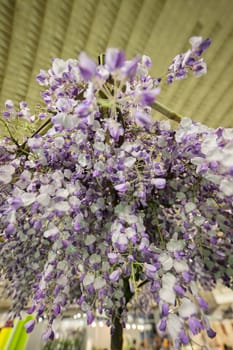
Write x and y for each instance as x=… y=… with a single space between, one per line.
x=34 y=31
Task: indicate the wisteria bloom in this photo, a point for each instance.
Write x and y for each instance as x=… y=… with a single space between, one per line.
x=103 y=203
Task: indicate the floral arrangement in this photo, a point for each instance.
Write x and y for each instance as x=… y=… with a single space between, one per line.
x=102 y=199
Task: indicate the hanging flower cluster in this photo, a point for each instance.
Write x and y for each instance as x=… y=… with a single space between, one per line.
x=103 y=199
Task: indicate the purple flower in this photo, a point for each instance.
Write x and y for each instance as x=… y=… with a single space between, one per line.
x=83 y=211
x=194 y=325
x=40 y=310
x=37 y=225
x=29 y=326
x=6 y=114
x=16 y=202
x=9 y=104
x=65 y=243
x=202 y=303
x=159 y=183
x=181 y=74
x=42 y=115
x=48 y=334
x=143 y=119
x=87 y=66
x=82 y=109
x=204 y=45
x=170 y=78
x=56 y=310
x=77 y=226
x=146 y=61
x=150 y=271
x=155 y=286
x=179 y=290
x=130 y=67
x=213 y=165
x=121 y=187
x=31 y=310
x=184 y=338
x=41 y=77
x=116 y=130
x=199 y=68
x=10 y=230
x=162 y=325
x=199 y=45
x=165 y=309
x=189 y=61
x=114 y=276
x=114 y=58
x=147 y=97
x=211 y=333
x=186 y=276
x=22 y=105
x=90 y=317
x=113 y=257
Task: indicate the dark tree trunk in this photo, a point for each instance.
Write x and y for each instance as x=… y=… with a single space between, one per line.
x=117 y=336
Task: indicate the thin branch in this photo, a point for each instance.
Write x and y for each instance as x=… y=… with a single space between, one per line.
x=142 y=283
x=10 y=133
x=166 y=111
x=46 y=123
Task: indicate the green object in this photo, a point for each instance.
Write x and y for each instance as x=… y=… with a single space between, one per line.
x=18 y=338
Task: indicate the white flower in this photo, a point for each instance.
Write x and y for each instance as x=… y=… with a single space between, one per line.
x=129 y=162
x=99 y=283
x=63 y=193
x=187 y=308
x=166 y=261
x=167 y=295
x=59 y=67
x=195 y=41
x=173 y=325
x=43 y=199
x=51 y=232
x=62 y=206
x=180 y=266
x=227 y=155
x=68 y=121
x=6 y=172
x=88 y=279
x=9 y=104
x=90 y=239
x=28 y=199
x=59 y=142
x=227 y=134
x=190 y=206
x=226 y=186
x=62 y=281
x=175 y=245
x=168 y=280
x=122 y=240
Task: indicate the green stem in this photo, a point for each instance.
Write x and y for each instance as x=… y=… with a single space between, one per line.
x=166 y=111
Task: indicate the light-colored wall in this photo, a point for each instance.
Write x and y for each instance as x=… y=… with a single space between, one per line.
x=34 y=340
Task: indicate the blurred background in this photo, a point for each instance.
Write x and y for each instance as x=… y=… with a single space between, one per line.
x=32 y=32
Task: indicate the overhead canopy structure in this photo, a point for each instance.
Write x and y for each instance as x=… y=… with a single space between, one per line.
x=34 y=31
